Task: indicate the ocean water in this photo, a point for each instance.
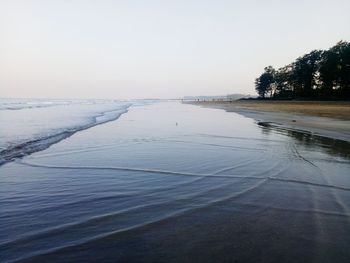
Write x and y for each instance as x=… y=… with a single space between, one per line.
x=29 y=125
x=168 y=182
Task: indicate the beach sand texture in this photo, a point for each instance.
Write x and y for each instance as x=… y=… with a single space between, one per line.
x=331 y=109
x=329 y=119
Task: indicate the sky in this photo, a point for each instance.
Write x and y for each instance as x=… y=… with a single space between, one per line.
x=156 y=49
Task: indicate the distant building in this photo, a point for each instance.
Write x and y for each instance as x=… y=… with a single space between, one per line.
x=229 y=97
x=238 y=96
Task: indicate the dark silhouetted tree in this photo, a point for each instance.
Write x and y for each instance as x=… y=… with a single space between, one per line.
x=316 y=75
x=284 y=87
x=335 y=71
x=265 y=84
x=304 y=73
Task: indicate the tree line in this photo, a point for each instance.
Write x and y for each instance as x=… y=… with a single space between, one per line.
x=320 y=74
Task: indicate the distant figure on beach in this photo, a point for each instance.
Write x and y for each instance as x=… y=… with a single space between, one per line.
x=176 y=124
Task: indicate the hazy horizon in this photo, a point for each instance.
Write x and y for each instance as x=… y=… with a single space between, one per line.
x=134 y=49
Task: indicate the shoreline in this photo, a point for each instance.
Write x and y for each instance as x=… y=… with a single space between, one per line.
x=316 y=118
x=154 y=178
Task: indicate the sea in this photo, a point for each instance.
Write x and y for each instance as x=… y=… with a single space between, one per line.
x=166 y=181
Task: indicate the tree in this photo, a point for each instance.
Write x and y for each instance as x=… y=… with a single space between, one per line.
x=335 y=71
x=284 y=89
x=303 y=77
x=317 y=75
x=266 y=82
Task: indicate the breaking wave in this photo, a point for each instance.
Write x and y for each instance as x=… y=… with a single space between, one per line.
x=22 y=149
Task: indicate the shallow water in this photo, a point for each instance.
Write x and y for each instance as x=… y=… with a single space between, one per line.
x=170 y=182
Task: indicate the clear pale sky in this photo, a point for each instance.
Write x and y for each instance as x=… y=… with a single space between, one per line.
x=163 y=49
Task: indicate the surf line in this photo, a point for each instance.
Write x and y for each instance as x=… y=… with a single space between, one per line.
x=36 y=145
x=143 y=170
x=166 y=172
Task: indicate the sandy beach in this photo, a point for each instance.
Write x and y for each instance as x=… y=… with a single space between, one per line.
x=328 y=119
x=175 y=132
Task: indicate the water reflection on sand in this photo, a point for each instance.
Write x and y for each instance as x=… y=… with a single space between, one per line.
x=312 y=141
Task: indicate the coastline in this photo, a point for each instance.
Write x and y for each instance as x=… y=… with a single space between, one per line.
x=131 y=189
x=326 y=119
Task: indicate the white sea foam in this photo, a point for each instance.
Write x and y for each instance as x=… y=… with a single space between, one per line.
x=33 y=125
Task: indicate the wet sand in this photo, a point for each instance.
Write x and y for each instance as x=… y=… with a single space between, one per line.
x=329 y=119
x=173 y=182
